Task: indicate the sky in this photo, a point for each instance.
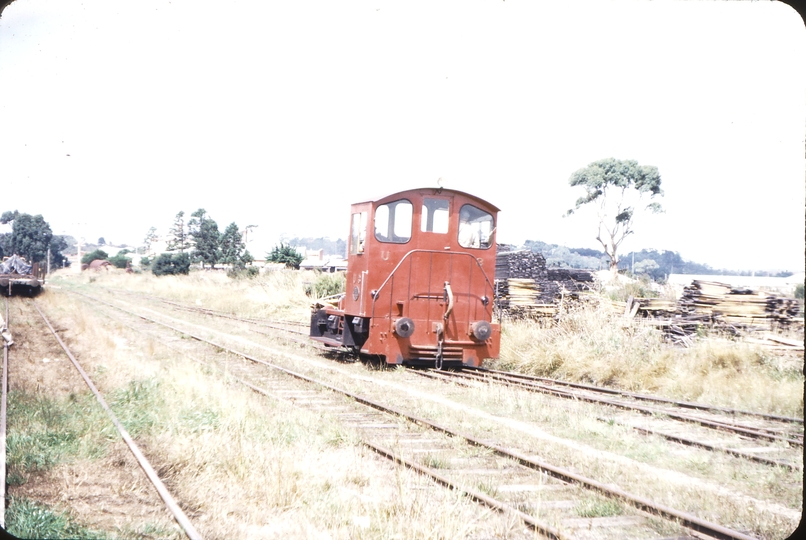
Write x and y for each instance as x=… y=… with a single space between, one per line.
x=115 y=116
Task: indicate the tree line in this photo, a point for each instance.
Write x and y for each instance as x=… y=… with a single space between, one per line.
x=198 y=240
x=31 y=237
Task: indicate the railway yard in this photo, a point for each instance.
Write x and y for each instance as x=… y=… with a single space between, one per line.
x=248 y=430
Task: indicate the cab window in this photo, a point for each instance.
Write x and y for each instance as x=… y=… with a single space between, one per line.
x=358 y=233
x=475 y=227
x=434 y=217
x=393 y=222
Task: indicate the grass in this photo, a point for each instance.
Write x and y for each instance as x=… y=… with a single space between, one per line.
x=281 y=472
x=594 y=344
x=277 y=471
x=593 y=507
x=44 y=432
x=28 y=519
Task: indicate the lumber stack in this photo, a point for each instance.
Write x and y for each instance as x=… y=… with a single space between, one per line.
x=742 y=307
x=735 y=309
x=526 y=288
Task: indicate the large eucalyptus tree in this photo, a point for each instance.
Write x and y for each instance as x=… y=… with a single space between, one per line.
x=617 y=188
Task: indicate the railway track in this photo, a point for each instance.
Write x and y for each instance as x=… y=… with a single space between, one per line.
x=525 y=485
x=768 y=439
x=170 y=502
x=3 y=411
x=762 y=438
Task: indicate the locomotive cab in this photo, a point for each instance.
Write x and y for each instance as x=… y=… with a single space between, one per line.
x=419 y=282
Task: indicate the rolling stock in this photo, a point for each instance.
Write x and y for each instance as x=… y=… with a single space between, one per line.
x=19 y=277
x=419 y=281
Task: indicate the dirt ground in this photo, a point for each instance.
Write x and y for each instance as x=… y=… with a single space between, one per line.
x=102 y=493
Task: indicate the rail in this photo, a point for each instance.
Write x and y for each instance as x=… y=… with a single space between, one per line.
x=170 y=502
x=690 y=521
x=3 y=410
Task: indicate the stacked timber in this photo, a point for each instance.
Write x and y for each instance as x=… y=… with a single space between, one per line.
x=526 y=288
x=736 y=309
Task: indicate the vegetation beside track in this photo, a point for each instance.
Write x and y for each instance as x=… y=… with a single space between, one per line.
x=277 y=471
x=307 y=468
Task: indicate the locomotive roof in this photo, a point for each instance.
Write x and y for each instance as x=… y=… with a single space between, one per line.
x=434 y=191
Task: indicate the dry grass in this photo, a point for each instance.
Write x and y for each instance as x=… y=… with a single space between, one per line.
x=245 y=466
x=279 y=472
x=275 y=294
x=593 y=343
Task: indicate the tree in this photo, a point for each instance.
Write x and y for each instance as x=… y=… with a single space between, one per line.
x=233 y=250
x=30 y=236
x=167 y=264
x=101 y=241
x=178 y=235
x=151 y=237
x=617 y=187
x=57 y=245
x=203 y=231
x=286 y=255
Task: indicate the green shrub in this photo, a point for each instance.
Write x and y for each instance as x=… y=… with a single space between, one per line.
x=326 y=285
x=145 y=262
x=120 y=260
x=286 y=255
x=98 y=254
x=167 y=264
x=799 y=291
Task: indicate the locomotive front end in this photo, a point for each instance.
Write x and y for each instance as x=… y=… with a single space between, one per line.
x=419 y=281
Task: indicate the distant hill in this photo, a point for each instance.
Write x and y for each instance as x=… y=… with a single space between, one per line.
x=657 y=264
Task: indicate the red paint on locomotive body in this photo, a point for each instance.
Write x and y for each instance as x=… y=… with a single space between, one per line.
x=419 y=282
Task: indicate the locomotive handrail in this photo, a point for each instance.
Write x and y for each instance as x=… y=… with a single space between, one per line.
x=377 y=291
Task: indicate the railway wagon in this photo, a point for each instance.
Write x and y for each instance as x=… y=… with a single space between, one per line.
x=419 y=282
x=19 y=277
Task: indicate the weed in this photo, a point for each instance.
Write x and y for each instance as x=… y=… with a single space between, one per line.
x=325 y=285
x=137 y=406
x=598 y=507
x=44 y=433
x=435 y=461
x=28 y=519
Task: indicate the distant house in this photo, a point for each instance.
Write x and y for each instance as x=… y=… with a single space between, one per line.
x=316 y=260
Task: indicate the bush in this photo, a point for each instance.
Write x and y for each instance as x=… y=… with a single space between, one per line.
x=326 y=285
x=98 y=254
x=120 y=260
x=167 y=264
x=145 y=262
x=286 y=255
x=245 y=272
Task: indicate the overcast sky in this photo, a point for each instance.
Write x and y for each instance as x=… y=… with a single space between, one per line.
x=116 y=115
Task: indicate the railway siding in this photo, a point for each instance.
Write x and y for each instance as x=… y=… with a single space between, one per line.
x=387 y=386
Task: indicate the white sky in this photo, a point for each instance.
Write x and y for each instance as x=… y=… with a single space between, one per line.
x=116 y=115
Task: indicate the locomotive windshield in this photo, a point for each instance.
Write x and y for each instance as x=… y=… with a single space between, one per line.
x=434 y=216
x=393 y=222
x=475 y=227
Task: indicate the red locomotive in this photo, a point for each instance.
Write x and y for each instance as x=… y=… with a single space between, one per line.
x=419 y=282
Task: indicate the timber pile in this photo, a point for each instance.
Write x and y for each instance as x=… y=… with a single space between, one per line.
x=526 y=288
x=714 y=304
x=745 y=308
